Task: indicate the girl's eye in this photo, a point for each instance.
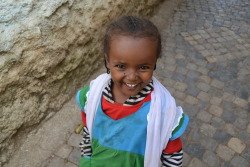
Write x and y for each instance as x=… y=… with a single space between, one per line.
x=120 y=66
x=144 y=67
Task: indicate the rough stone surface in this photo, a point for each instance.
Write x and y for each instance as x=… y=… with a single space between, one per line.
x=74 y=139
x=211 y=159
x=239 y=161
x=197 y=163
x=47 y=50
x=224 y=152
x=64 y=151
x=237 y=145
x=75 y=156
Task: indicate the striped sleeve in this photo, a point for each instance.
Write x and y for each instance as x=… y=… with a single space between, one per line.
x=85 y=145
x=172 y=160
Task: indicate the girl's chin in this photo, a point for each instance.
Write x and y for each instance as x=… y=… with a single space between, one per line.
x=130 y=92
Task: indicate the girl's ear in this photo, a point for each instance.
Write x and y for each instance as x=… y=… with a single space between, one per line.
x=155 y=65
x=106 y=60
x=106 y=63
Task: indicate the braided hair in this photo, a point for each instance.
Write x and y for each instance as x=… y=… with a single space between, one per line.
x=130 y=26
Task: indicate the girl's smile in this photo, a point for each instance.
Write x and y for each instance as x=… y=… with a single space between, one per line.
x=131 y=61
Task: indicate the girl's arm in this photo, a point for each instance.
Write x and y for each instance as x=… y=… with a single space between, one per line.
x=173 y=154
x=85 y=144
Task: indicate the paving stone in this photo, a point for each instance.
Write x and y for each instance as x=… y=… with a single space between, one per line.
x=246 y=154
x=228 y=116
x=203 y=96
x=216 y=110
x=171 y=90
x=231 y=129
x=195 y=135
x=208 y=130
x=236 y=144
x=56 y=161
x=170 y=60
x=248 y=128
x=244 y=136
x=168 y=82
x=241 y=123
x=240 y=102
x=75 y=156
x=215 y=101
x=64 y=151
x=74 y=140
x=218 y=122
x=179 y=95
x=45 y=163
x=181 y=63
x=170 y=67
x=195 y=162
x=186 y=159
x=243 y=94
x=211 y=159
x=204 y=116
x=191 y=100
x=166 y=74
x=205 y=79
x=191 y=110
x=218 y=84
x=69 y=164
x=209 y=144
x=181 y=70
x=191 y=66
x=224 y=152
x=193 y=91
x=199 y=47
x=226 y=164
x=190 y=81
x=203 y=86
x=194 y=149
x=193 y=74
x=221 y=136
x=178 y=77
x=180 y=86
x=201 y=63
x=238 y=161
x=215 y=92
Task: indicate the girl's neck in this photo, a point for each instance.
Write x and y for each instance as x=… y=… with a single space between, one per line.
x=118 y=98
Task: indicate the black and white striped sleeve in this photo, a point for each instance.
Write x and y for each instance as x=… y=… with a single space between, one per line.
x=172 y=160
x=85 y=144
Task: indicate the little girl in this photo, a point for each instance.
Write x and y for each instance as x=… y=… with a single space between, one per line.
x=130 y=119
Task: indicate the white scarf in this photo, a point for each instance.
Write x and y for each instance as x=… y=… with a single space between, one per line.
x=160 y=117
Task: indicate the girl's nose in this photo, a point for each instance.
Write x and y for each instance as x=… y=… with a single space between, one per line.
x=131 y=75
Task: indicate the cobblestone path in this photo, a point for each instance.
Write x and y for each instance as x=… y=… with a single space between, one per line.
x=206 y=66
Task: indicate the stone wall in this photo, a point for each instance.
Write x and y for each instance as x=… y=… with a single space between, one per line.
x=47 y=50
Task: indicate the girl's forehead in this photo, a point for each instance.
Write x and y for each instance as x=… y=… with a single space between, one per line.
x=120 y=37
x=138 y=49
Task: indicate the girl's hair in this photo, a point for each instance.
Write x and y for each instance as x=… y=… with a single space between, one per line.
x=131 y=26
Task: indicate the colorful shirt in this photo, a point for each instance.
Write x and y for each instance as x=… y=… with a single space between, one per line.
x=173 y=149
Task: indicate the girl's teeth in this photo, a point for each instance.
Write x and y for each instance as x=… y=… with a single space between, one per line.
x=131 y=85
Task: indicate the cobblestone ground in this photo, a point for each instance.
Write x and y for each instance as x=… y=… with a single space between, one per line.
x=205 y=65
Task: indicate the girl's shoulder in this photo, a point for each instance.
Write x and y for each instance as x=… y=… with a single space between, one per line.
x=81 y=97
x=180 y=123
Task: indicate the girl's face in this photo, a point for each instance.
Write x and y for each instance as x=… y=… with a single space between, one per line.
x=131 y=62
